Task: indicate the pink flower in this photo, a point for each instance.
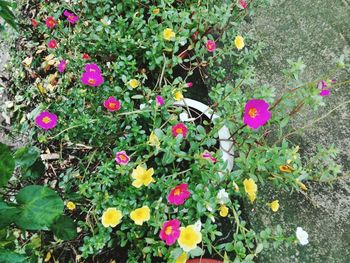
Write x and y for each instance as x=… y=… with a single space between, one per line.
x=46 y=120
x=189 y=84
x=52 y=43
x=179 y=129
x=322 y=86
x=72 y=18
x=111 y=104
x=92 y=68
x=62 y=66
x=208 y=156
x=243 y=4
x=170 y=231
x=211 y=46
x=122 y=158
x=179 y=194
x=256 y=113
x=159 y=101
x=92 y=79
x=34 y=23
x=50 y=22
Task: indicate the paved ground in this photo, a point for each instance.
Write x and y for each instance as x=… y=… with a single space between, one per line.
x=318 y=31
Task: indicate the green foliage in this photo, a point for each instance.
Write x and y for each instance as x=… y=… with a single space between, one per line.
x=7 y=14
x=64 y=228
x=7 y=164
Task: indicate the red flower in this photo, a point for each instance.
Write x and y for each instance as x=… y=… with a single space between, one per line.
x=50 y=22
x=52 y=43
x=179 y=129
x=179 y=194
x=86 y=56
x=34 y=23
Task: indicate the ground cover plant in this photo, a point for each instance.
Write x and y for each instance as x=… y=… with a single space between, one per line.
x=130 y=176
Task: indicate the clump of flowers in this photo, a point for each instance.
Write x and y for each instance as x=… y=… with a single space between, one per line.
x=92 y=76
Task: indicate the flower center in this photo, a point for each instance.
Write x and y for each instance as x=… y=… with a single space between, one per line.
x=71 y=17
x=179 y=130
x=122 y=157
x=253 y=112
x=46 y=120
x=112 y=105
x=177 y=191
x=92 y=81
x=168 y=230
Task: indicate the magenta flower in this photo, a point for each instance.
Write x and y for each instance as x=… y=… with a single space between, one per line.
x=189 y=84
x=179 y=194
x=179 y=129
x=170 y=231
x=52 y=43
x=243 y=4
x=92 y=68
x=122 y=158
x=159 y=101
x=256 y=113
x=46 y=120
x=62 y=66
x=111 y=104
x=71 y=18
x=211 y=46
x=322 y=86
x=208 y=156
x=50 y=22
x=92 y=79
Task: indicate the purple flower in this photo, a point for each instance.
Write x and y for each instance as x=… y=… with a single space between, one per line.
x=322 y=85
x=46 y=120
x=71 y=18
x=92 y=68
x=256 y=113
x=62 y=66
x=159 y=101
x=189 y=84
x=209 y=156
x=92 y=79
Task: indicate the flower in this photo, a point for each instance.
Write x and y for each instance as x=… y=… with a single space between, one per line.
x=179 y=194
x=223 y=210
x=46 y=120
x=159 y=101
x=156 y=11
x=142 y=176
x=92 y=79
x=302 y=236
x=189 y=84
x=70 y=205
x=168 y=34
x=178 y=95
x=256 y=113
x=189 y=238
x=140 y=215
x=239 y=42
x=92 y=68
x=301 y=185
x=111 y=217
x=250 y=188
x=134 y=83
x=322 y=86
x=243 y=4
x=209 y=156
x=222 y=196
x=274 y=205
x=111 y=104
x=50 y=22
x=154 y=140
x=34 y=22
x=62 y=66
x=210 y=45
x=182 y=258
x=122 y=158
x=71 y=18
x=86 y=56
x=52 y=43
x=170 y=231
x=179 y=129
x=184 y=117
x=286 y=168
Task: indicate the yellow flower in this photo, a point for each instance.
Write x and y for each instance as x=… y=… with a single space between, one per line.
x=111 y=217
x=156 y=11
x=239 y=42
x=134 y=83
x=274 y=205
x=142 y=176
x=189 y=238
x=154 y=140
x=301 y=185
x=48 y=257
x=140 y=215
x=286 y=168
x=182 y=258
x=250 y=188
x=168 y=34
x=178 y=95
x=223 y=210
x=70 y=205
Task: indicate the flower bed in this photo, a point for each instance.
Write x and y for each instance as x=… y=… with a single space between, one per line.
x=96 y=83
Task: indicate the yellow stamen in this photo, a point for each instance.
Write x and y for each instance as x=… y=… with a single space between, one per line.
x=252 y=112
x=46 y=120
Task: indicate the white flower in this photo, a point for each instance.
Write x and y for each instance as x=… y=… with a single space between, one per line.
x=184 y=117
x=302 y=236
x=198 y=226
x=142 y=106
x=222 y=196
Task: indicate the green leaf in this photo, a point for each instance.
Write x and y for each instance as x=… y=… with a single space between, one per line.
x=39 y=207
x=7 y=214
x=26 y=157
x=7 y=256
x=259 y=248
x=7 y=164
x=64 y=228
x=35 y=171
